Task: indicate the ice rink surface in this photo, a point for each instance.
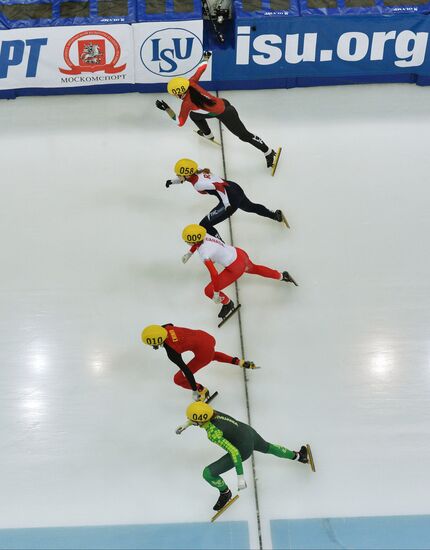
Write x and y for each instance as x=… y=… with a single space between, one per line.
x=91 y=253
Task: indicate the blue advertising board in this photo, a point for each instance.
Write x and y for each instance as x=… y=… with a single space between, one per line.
x=292 y=47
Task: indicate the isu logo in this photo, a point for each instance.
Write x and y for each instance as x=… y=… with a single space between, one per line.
x=171 y=52
x=90 y=54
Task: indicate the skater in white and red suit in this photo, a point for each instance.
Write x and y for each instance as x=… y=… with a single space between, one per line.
x=235 y=261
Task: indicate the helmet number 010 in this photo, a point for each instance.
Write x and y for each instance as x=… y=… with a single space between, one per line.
x=154 y=341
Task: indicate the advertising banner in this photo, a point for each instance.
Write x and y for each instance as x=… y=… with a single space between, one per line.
x=326 y=47
x=66 y=57
x=164 y=50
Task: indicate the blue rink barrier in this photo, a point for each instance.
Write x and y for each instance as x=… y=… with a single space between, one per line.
x=317 y=48
x=373 y=533
x=228 y=535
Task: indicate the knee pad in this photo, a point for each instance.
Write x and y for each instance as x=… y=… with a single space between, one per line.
x=207 y=474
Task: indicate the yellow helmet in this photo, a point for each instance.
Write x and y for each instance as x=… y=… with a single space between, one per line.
x=178 y=85
x=154 y=335
x=199 y=412
x=185 y=167
x=193 y=233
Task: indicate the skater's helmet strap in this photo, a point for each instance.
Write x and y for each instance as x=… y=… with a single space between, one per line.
x=199 y=412
x=154 y=335
x=193 y=233
x=186 y=167
x=178 y=85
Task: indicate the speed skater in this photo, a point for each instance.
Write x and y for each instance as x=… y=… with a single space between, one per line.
x=235 y=261
x=177 y=340
x=230 y=195
x=239 y=440
x=200 y=105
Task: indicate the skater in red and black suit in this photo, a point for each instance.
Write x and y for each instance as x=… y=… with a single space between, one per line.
x=177 y=340
x=235 y=261
x=200 y=105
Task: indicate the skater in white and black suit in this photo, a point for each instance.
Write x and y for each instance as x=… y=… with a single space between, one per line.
x=230 y=195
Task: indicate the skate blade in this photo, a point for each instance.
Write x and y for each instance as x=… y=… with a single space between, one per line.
x=284 y=219
x=229 y=503
x=211 y=397
x=310 y=457
x=227 y=317
x=276 y=160
x=293 y=281
x=214 y=141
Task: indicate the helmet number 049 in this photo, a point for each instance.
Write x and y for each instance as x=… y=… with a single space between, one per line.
x=200 y=417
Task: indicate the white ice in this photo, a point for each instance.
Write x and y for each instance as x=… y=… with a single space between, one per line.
x=91 y=253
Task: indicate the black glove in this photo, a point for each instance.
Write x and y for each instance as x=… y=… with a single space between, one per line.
x=169 y=183
x=162 y=105
x=229 y=210
x=207 y=55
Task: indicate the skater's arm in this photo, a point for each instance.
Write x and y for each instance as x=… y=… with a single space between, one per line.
x=185 y=111
x=216 y=436
x=213 y=273
x=203 y=186
x=176 y=358
x=174 y=181
x=162 y=105
x=200 y=70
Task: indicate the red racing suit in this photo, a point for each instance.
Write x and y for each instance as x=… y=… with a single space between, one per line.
x=188 y=106
x=199 y=342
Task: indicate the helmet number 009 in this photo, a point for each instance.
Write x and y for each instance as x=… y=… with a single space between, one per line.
x=154 y=341
x=200 y=416
x=194 y=238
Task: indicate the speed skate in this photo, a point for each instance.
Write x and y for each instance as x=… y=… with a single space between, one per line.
x=275 y=164
x=224 y=508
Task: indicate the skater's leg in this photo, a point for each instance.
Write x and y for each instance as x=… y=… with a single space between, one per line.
x=261 y=270
x=223 y=358
x=231 y=120
x=247 y=206
x=209 y=291
x=215 y=216
x=212 y=472
x=263 y=446
x=200 y=121
x=226 y=278
x=202 y=357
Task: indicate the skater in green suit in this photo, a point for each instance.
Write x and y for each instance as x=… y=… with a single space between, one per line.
x=239 y=440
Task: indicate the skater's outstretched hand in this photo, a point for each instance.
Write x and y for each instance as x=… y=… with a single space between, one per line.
x=207 y=55
x=217 y=298
x=162 y=105
x=241 y=483
x=186 y=257
x=169 y=183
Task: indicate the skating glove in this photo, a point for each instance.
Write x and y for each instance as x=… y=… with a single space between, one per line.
x=162 y=105
x=241 y=483
x=183 y=427
x=201 y=394
x=217 y=298
x=207 y=55
x=169 y=183
x=186 y=257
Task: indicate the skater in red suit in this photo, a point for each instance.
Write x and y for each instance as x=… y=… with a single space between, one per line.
x=200 y=105
x=235 y=261
x=177 y=340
